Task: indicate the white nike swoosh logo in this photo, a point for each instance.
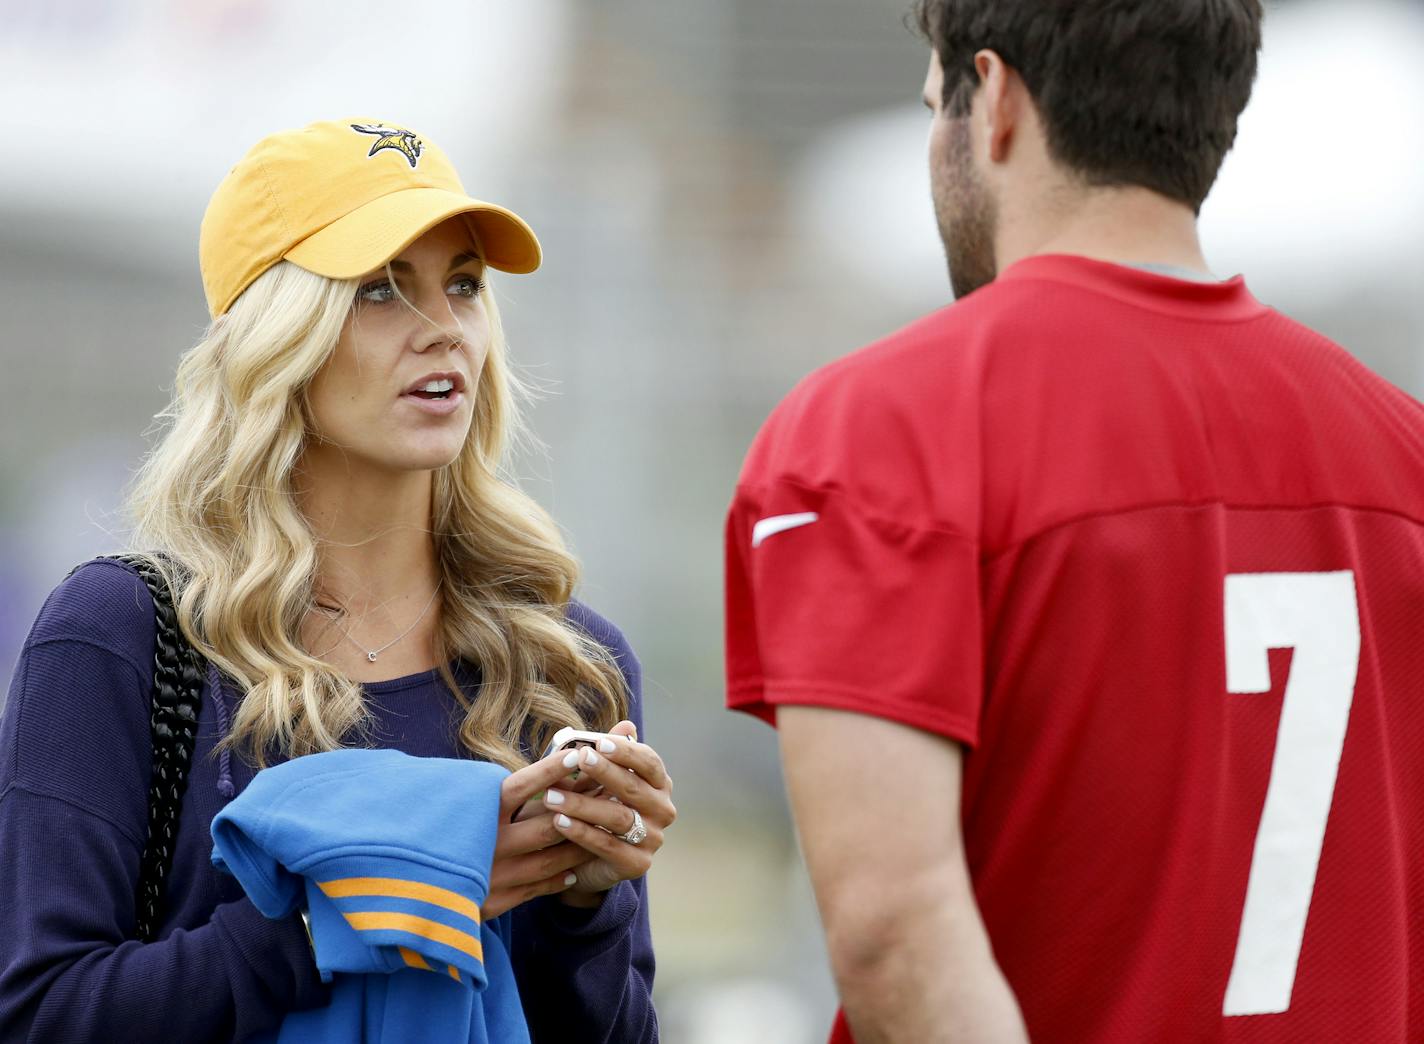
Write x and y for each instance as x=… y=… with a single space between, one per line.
x=780 y=524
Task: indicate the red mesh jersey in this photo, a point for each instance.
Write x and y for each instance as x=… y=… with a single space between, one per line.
x=1155 y=555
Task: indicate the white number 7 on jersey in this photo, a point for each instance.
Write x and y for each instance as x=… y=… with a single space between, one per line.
x=1317 y=615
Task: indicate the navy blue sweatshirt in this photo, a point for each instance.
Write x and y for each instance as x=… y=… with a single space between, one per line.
x=74 y=774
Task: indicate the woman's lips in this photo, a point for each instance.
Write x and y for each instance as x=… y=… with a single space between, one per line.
x=438 y=407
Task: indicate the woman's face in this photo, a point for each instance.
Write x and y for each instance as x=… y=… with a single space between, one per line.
x=398 y=392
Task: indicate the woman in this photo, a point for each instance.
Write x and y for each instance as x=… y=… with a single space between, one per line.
x=328 y=506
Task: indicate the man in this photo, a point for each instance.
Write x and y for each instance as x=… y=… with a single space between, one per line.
x=1089 y=609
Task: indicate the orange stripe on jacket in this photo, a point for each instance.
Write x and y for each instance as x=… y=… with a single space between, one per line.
x=421 y=926
x=399 y=888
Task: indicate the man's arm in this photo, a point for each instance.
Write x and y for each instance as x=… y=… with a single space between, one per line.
x=877 y=809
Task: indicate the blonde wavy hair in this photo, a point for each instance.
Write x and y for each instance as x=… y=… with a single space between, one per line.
x=213 y=507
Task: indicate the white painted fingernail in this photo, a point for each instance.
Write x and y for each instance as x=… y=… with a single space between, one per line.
x=606 y=745
x=589 y=757
x=563 y=821
x=553 y=797
x=571 y=759
x=570 y=878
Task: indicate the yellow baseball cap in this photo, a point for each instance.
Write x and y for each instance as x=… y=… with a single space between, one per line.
x=340 y=198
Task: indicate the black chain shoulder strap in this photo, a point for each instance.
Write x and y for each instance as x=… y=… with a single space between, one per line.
x=173 y=727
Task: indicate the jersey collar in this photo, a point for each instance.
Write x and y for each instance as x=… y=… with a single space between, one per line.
x=1226 y=300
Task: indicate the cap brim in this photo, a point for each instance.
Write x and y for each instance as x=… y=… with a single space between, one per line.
x=374 y=233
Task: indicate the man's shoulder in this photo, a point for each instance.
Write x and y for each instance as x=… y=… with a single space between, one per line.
x=937 y=341
x=908 y=385
x=918 y=361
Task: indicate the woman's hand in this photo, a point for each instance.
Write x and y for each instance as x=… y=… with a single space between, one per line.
x=631 y=777
x=531 y=857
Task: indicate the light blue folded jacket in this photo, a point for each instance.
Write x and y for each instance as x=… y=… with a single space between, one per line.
x=391 y=856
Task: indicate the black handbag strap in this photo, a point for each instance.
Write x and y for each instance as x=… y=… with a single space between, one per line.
x=173 y=728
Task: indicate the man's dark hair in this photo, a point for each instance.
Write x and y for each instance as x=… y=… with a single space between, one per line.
x=1131 y=92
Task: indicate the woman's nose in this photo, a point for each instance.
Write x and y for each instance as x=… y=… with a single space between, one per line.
x=439 y=327
x=442 y=336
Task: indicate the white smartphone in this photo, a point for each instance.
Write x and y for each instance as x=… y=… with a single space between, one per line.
x=569 y=738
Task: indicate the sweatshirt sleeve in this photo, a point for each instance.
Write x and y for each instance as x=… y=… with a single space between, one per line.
x=587 y=975
x=74 y=773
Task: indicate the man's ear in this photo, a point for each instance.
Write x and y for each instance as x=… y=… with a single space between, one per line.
x=1001 y=95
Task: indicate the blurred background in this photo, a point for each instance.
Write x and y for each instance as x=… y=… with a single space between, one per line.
x=729 y=193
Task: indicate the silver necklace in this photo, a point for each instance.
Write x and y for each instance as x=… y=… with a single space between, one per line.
x=371 y=654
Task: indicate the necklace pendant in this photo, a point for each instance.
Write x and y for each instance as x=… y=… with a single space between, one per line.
x=371 y=656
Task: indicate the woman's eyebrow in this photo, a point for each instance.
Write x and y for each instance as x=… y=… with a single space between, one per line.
x=462 y=259
x=456 y=262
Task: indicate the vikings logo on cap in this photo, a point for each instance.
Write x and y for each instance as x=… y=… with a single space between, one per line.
x=403 y=141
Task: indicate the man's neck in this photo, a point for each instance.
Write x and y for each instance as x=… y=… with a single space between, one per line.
x=1130 y=226
x=373 y=531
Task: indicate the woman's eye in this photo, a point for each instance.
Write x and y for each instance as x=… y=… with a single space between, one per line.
x=468 y=286
x=377 y=293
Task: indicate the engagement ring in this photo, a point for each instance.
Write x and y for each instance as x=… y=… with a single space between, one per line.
x=637 y=831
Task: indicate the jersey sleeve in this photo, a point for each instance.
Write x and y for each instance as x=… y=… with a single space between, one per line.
x=852 y=565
